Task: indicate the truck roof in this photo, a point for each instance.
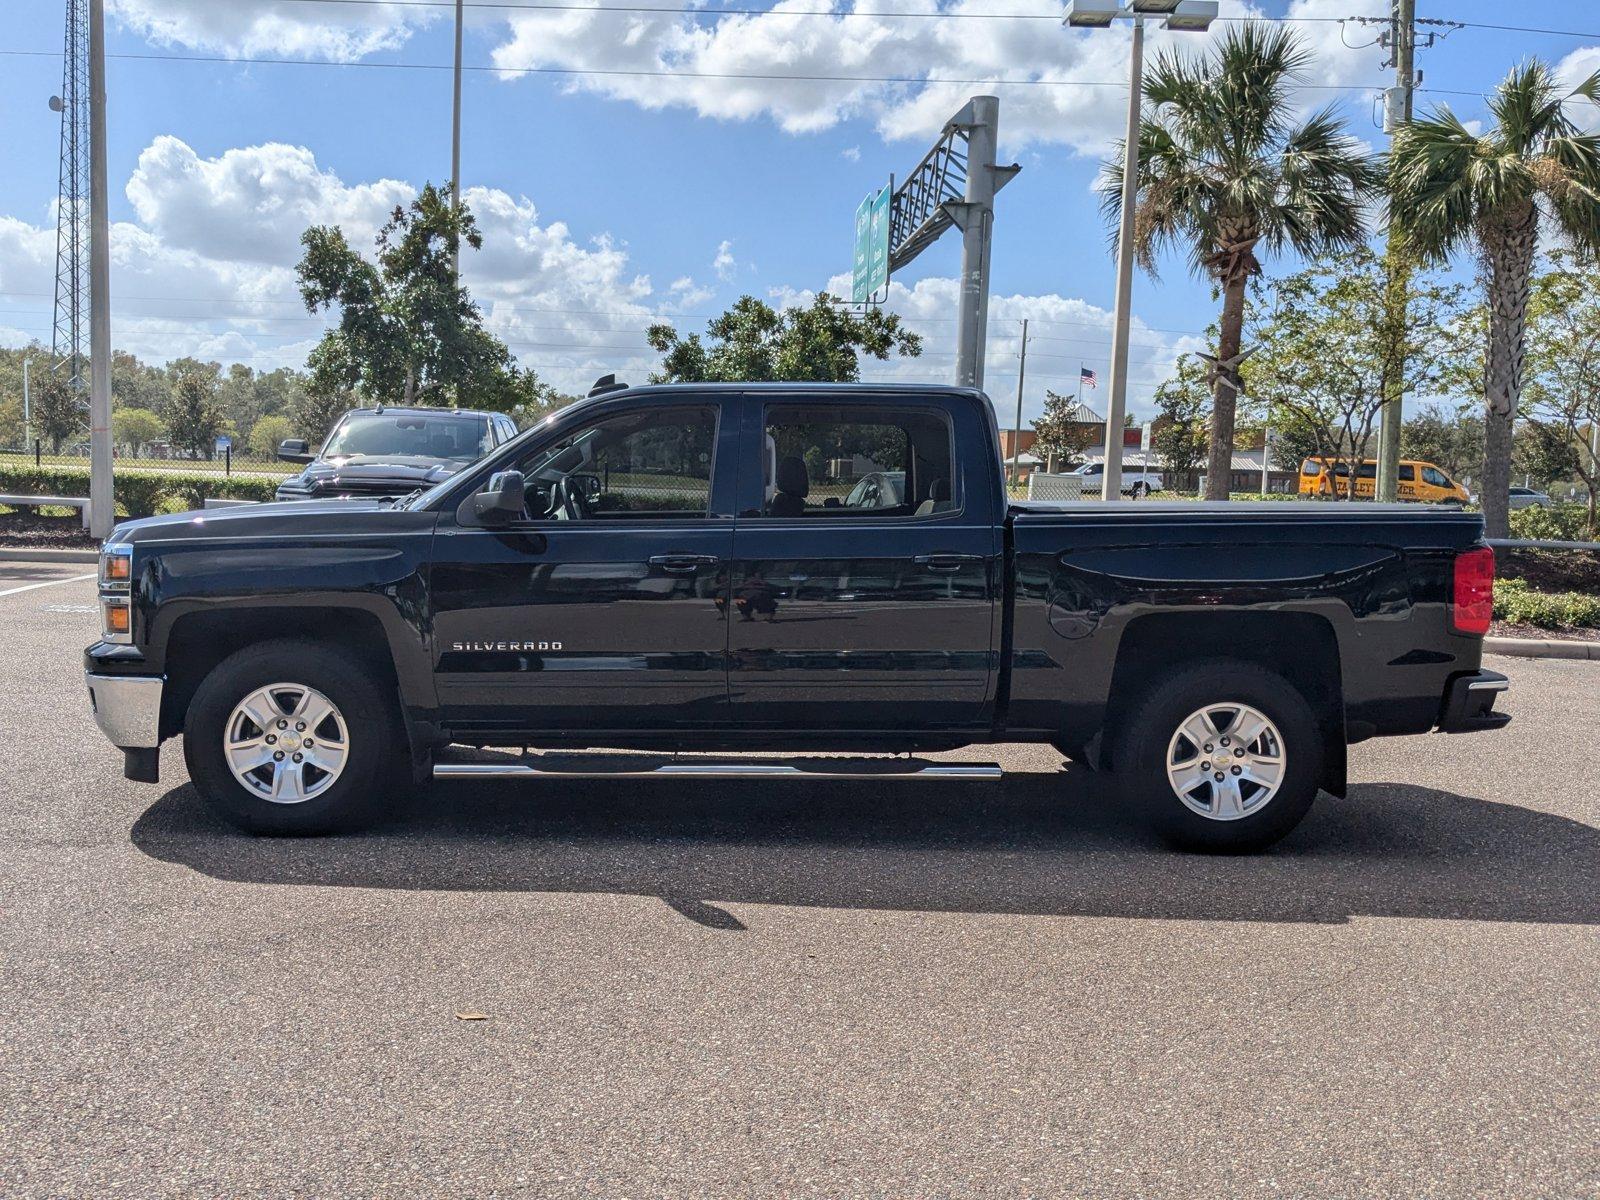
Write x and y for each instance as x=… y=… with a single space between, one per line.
x=421 y=408
x=840 y=390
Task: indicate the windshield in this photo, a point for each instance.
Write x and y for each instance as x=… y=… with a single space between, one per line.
x=451 y=436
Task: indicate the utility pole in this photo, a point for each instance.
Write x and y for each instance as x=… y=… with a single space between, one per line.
x=455 y=152
x=1397 y=108
x=27 y=407
x=102 y=507
x=1022 y=372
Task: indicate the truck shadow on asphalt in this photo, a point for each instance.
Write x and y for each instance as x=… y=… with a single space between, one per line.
x=1039 y=844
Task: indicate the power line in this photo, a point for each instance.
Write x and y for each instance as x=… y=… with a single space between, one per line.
x=664 y=318
x=540 y=6
x=983 y=81
x=909 y=14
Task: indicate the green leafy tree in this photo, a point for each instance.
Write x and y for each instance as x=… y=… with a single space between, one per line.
x=1059 y=438
x=1561 y=394
x=266 y=433
x=60 y=413
x=1446 y=436
x=135 y=384
x=1451 y=188
x=1226 y=172
x=752 y=342
x=315 y=411
x=408 y=331
x=194 y=417
x=135 y=428
x=1180 y=432
x=1324 y=361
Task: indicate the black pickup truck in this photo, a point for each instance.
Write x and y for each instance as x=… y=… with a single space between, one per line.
x=695 y=568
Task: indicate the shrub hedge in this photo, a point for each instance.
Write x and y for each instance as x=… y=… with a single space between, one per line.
x=1557 y=523
x=1518 y=604
x=138 y=493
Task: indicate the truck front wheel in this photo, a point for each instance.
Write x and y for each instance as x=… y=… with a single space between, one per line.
x=1221 y=756
x=292 y=737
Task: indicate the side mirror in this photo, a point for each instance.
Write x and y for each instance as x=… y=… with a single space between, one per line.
x=295 y=450
x=588 y=485
x=505 y=499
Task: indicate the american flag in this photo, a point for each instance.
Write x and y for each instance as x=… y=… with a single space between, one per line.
x=1087 y=378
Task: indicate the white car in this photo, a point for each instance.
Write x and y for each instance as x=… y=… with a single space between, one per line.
x=1137 y=481
x=1523 y=497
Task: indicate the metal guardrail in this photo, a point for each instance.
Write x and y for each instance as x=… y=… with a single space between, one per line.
x=1534 y=544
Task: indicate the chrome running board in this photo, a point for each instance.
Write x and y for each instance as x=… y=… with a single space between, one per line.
x=622 y=767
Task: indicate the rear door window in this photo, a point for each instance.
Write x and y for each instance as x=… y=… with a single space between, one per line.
x=855 y=462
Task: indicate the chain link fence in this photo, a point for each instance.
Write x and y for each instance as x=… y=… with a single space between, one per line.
x=227 y=461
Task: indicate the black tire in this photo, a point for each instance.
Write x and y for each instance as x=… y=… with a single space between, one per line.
x=376 y=754
x=1142 y=745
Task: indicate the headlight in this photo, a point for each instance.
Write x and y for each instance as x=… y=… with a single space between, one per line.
x=116 y=593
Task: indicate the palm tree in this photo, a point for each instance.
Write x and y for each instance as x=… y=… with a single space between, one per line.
x=1226 y=171
x=1451 y=187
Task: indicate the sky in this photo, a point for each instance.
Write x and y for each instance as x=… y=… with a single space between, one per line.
x=628 y=165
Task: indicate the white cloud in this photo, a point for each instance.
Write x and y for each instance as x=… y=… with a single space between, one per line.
x=724 y=264
x=784 y=64
x=283 y=28
x=685 y=294
x=851 y=154
x=252 y=204
x=1064 y=332
x=1574 y=69
x=207 y=269
x=774 y=65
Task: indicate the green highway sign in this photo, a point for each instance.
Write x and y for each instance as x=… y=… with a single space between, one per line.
x=870 y=272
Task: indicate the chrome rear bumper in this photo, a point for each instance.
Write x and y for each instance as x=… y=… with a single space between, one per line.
x=127 y=708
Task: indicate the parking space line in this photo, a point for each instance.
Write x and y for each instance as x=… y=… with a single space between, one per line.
x=28 y=587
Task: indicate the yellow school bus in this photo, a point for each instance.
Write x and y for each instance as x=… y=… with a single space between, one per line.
x=1422 y=481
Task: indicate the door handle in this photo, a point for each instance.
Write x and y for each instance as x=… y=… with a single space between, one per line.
x=682 y=564
x=946 y=562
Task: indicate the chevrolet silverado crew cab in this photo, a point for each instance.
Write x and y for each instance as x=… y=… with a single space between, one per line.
x=694 y=568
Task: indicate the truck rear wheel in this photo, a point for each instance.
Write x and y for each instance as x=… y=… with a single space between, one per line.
x=292 y=737
x=1221 y=756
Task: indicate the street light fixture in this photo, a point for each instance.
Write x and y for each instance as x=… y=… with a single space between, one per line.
x=1185 y=16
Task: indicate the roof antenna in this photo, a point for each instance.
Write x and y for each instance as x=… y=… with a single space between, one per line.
x=606 y=383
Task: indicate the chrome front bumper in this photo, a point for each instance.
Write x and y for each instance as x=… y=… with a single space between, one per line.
x=127 y=708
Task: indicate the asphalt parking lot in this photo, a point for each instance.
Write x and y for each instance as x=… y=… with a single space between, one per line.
x=828 y=989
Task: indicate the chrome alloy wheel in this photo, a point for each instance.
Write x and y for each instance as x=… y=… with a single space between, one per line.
x=1226 y=761
x=286 y=743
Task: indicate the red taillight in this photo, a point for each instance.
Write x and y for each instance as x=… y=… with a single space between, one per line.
x=1472 y=596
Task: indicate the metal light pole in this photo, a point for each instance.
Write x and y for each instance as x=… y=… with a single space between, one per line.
x=1117 y=402
x=975 y=219
x=1182 y=15
x=455 y=150
x=1022 y=373
x=27 y=406
x=102 y=506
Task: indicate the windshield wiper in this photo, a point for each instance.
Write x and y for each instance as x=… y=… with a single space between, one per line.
x=403 y=501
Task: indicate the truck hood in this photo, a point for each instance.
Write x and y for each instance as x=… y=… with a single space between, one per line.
x=374 y=474
x=291 y=519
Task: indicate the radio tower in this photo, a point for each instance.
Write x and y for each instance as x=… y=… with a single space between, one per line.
x=72 y=214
